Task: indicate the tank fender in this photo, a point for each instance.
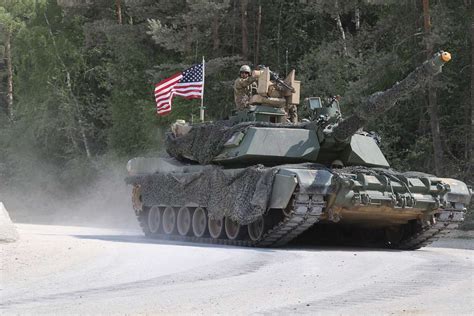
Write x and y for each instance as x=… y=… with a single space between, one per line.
x=458 y=194
x=309 y=181
x=282 y=190
x=313 y=181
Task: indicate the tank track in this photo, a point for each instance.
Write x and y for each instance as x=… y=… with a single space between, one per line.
x=443 y=224
x=304 y=213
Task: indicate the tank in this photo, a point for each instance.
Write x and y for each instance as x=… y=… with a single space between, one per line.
x=257 y=180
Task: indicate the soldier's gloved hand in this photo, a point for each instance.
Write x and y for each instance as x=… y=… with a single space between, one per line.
x=255 y=75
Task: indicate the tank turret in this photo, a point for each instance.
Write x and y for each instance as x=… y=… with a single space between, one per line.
x=381 y=101
x=260 y=133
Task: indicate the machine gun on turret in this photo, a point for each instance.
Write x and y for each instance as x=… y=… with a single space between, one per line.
x=274 y=91
x=276 y=78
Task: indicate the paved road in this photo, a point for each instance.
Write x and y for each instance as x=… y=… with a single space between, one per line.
x=61 y=270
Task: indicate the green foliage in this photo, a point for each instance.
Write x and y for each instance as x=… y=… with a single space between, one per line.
x=14 y=13
x=80 y=77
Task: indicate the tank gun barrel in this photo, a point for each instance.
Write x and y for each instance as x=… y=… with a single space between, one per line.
x=382 y=101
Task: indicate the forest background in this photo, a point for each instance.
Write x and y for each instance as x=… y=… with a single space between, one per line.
x=77 y=76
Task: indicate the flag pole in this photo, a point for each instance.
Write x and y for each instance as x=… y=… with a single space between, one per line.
x=201 y=109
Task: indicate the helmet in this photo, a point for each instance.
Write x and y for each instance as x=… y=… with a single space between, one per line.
x=337 y=164
x=245 y=68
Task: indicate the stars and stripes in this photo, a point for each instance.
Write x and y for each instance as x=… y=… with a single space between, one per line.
x=188 y=84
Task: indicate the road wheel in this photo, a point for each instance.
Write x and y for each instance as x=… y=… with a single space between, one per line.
x=256 y=228
x=216 y=227
x=184 y=221
x=169 y=220
x=199 y=222
x=233 y=230
x=154 y=219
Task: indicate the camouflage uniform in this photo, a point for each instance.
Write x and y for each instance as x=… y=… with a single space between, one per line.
x=243 y=92
x=291 y=113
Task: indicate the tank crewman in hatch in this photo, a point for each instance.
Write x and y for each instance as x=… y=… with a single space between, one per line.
x=243 y=87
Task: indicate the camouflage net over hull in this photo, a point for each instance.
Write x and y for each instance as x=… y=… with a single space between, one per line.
x=206 y=141
x=241 y=195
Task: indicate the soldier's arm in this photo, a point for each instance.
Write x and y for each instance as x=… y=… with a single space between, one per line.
x=242 y=83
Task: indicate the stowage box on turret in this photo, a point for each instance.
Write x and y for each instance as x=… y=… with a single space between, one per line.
x=256 y=180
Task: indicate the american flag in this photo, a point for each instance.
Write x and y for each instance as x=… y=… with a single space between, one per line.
x=188 y=84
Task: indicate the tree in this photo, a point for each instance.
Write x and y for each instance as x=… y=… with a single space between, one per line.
x=470 y=139
x=92 y=66
x=13 y=14
x=244 y=28
x=432 y=100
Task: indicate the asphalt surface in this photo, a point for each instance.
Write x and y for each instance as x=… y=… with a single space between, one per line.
x=76 y=270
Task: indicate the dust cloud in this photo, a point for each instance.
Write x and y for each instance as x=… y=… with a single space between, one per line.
x=104 y=202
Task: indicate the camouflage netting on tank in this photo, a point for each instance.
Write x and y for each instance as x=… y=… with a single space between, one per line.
x=241 y=194
x=206 y=141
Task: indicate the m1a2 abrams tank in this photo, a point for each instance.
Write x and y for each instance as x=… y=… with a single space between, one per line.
x=254 y=180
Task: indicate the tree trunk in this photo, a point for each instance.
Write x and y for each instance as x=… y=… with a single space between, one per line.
x=426 y=17
x=357 y=18
x=118 y=11
x=435 y=129
x=245 y=32
x=79 y=114
x=470 y=140
x=257 y=40
x=70 y=91
x=234 y=19
x=343 y=34
x=432 y=104
x=341 y=28
x=216 y=41
x=8 y=58
x=279 y=33
x=187 y=40
x=188 y=29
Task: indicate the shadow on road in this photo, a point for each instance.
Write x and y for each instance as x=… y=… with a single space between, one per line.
x=291 y=247
x=144 y=240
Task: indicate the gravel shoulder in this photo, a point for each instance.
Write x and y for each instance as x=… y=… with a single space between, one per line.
x=77 y=270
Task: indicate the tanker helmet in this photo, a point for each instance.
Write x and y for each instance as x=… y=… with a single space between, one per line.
x=337 y=164
x=245 y=68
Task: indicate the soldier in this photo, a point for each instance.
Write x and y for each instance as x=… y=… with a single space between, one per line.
x=291 y=113
x=243 y=88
